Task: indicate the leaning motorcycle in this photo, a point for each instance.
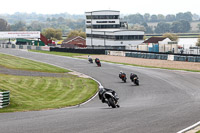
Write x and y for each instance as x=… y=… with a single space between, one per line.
x=90 y=60
x=135 y=80
x=122 y=76
x=98 y=63
x=109 y=97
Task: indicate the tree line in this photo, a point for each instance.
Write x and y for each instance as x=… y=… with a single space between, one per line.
x=64 y=22
x=39 y=22
x=139 y=18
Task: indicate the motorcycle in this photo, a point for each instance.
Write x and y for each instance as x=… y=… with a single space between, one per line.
x=135 y=80
x=110 y=97
x=90 y=60
x=97 y=61
x=123 y=77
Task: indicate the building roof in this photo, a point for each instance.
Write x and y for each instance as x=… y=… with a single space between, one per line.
x=72 y=38
x=103 y=11
x=154 y=39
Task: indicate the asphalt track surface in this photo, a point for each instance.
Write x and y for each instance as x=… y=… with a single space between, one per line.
x=165 y=102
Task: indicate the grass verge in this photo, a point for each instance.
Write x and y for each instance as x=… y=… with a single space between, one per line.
x=1 y=90
x=38 y=93
x=14 y=62
x=29 y=93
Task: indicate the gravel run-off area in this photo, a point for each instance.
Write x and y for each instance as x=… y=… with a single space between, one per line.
x=149 y=62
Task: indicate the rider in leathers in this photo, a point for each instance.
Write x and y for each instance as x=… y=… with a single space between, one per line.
x=132 y=76
x=102 y=90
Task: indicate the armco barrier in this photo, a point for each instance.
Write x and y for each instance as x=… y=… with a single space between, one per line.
x=180 y=58
x=21 y=47
x=4 y=99
x=191 y=59
x=198 y=59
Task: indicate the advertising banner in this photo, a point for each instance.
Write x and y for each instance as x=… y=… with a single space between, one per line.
x=20 y=34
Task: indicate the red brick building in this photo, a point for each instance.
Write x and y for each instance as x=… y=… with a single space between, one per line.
x=73 y=42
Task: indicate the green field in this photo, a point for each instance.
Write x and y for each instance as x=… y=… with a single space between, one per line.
x=25 y=64
x=29 y=93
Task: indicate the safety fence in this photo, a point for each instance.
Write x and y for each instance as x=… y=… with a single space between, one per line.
x=25 y=47
x=83 y=51
x=160 y=56
x=117 y=52
x=4 y=98
x=163 y=56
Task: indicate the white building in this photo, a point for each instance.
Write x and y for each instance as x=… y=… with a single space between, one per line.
x=194 y=50
x=104 y=28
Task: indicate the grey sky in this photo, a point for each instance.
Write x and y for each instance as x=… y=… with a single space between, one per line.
x=81 y=6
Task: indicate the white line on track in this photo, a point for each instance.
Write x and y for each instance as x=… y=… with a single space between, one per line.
x=189 y=128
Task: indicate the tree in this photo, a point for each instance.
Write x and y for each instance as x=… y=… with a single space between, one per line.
x=198 y=42
x=135 y=19
x=172 y=37
x=147 y=17
x=182 y=26
x=4 y=26
x=61 y=20
x=185 y=25
x=170 y=18
x=51 y=33
x=195 y=17
x=154 y=18
x=184 y=16
x=162 y=27
x=161 y=17
x=76 y=33
x=35 y=26
x=198 y=26
x=148 y=29
x=19 y=26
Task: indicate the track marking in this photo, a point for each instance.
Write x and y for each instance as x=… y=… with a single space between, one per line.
x=189 y=128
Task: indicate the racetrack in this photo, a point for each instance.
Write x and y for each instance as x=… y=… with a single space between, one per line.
x=165 y=102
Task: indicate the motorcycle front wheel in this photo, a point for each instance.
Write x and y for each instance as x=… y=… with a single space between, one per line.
x=111 y=102
x=137 y=82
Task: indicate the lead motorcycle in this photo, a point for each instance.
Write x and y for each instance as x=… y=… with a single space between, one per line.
x=122 y=76
x=109 y=96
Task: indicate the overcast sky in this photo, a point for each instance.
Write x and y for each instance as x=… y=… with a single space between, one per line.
x=82 y=6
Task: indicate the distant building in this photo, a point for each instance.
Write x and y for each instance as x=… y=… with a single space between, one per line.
x=72 y=42
x=159 y=44
x=104 y=28
x=194 y=50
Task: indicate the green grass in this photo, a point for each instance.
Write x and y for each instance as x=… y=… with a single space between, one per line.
x=39 y=93
x=25 y=64
x=1 y=90
x=59 y=53
x=29 y=93
x=198 y=132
